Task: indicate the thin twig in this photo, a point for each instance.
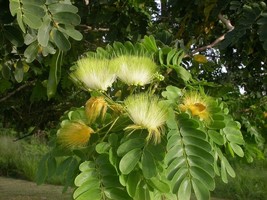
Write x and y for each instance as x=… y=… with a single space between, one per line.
x=228 y=25
x=16 y=90
x=90 y=28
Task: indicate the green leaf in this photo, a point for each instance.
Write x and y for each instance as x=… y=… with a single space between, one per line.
x=60 y=40
x=175 y=151
x=203 y=177
x=54 y=74
x=49 y=49
x=129 y=145
x=150 y=43
x=4 y=85
x=216 y=137
x=198 y=151
x=91 y=193
x=178 y=178
x=19 y=72
x=30 y=38
x=173 y=141
x=116 y=193
x=228 y=167
x=234 y=135
x=170 y=55
x=174 y=166
x=43 y=32
x=13 y=35
x=149 y=167
x=42 y=170
x=189 y=131
x=34 y=2
x=237 y=149
x=190 y=123
x=70 y=31
x=62 y=7
x=88 y=188
x=195 y=141
x=63 y=165
x=14 y=7
x=201 y=192
x=31 y=52
x=51 y=166
x=216 y=125
x=86 y=176
x=67 y=18
x=129 y=160
x=142 y=191
x=20 y=21
x=33 y=9
x=132 y=183
x=102 y=147
x=184 y=191
x=32 y=21
x=172 y=93
x=183 y=73
x=158 y=184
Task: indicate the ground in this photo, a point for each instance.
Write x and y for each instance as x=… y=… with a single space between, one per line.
x=14 y=189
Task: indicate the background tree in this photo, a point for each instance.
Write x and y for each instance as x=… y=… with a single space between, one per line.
x=221 y=46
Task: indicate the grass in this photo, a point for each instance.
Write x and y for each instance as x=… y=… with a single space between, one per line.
x=250 y=182
x=20 y=159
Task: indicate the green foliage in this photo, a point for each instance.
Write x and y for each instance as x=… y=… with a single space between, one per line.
x=201 y=132
x=121 y=162
x=48 y=24
x=250 y=182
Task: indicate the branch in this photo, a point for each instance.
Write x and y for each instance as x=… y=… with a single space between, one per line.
x=228 y=25
x=16 y=90
x=90 y=28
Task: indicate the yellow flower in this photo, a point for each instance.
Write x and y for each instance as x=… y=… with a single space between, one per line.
x=95 y=107
x=197 y=105
x=74 y=134
x=135 y=70
x=147 y=113
x=95 y=74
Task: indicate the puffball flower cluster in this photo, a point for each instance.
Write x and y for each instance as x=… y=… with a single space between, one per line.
x=74 y=134
x=95 y=74
x=196 y=104
x=146 y=112
x=135 y=70
x=99 y=74
x=95 y=107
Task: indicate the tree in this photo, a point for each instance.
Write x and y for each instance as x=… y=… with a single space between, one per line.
x=153 y=133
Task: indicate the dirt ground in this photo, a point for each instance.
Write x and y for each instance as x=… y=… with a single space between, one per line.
x=14 y=189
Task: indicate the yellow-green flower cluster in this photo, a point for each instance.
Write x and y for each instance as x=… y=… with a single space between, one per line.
x=146 y=112
x=135 y=70
x=95 y=74
x=99 y=74
x=74 y=134
x=197 y=104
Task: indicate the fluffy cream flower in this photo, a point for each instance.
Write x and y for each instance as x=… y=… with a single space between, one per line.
x=135 y=70
x=147 y=113
x=95 y=74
